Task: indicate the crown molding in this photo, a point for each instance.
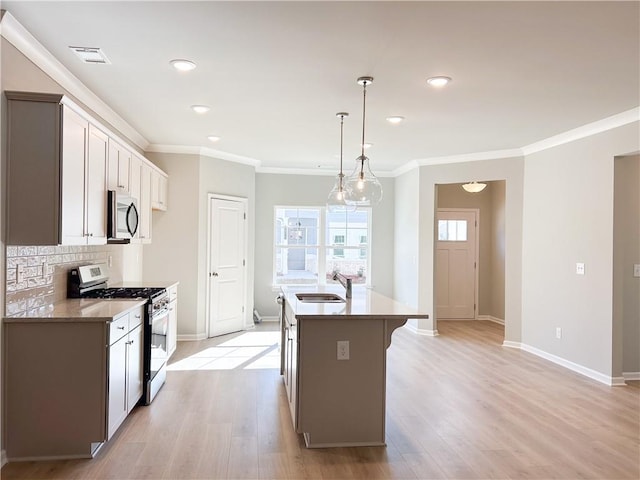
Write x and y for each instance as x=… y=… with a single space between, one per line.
x=31 y=48
x=599 y=126
x=203 y=152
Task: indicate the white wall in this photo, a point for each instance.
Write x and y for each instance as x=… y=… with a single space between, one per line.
x=568 y=218
x=179 y=244
x=312 y=190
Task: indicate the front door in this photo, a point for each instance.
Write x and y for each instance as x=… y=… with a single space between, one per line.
x=227 y=241
x=456 y=264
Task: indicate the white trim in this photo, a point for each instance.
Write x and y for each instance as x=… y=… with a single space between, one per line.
x=587 y=372
x=313 y=171
x=470 y=157
x=3 y=458
x=421 y=331
x=270 y=319
x=584 y=131
x=189 y=337
x=204 y=152
x=630 y=376
x=31 y=48
x=491 y=318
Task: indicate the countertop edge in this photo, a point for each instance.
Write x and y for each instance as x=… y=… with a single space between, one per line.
x=75 y=310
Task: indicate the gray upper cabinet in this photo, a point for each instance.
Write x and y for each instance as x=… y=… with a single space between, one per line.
x=56 y=172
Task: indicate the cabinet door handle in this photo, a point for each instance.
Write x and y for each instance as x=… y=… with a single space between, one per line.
x=137 y=316
x=120 y=328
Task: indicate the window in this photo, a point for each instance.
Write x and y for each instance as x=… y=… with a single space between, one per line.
x=452 y=230
x=311 y=244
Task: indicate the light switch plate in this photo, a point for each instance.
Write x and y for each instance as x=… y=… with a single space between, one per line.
x=579 y=268
x=636 y=270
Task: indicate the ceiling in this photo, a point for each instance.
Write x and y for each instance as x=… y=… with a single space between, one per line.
x=276 y=73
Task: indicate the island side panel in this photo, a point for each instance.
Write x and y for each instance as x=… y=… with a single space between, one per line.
x=54 y=387
x=342 y=402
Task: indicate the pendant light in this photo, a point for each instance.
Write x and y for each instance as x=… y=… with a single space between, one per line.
x=362 y=187
x=336 y=200
x=474 y=187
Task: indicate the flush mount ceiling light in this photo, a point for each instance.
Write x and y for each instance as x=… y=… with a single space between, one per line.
x=213 y=138
x=200 y=108
x=362 y=187
x=474 y=187
x=182 y=65
x=395 y=119
x=438 y=81
x=90 y=55
x=336 y=202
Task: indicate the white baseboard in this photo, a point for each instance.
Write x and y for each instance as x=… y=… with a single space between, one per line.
x=191 y=337
x=491 y=319
x=3 y=458
x=587 y=372
x=421 y=331
x=271 y=319
x=631 y=375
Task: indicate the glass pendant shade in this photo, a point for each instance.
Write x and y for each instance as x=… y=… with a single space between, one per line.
x=362 y=187
x=336 y=202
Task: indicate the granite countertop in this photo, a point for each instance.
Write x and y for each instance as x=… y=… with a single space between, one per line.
x=365 y=304
x=81 y=310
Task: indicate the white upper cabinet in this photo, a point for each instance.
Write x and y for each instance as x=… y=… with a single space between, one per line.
x=159 y=187
x=60 y=164
x=119 y=167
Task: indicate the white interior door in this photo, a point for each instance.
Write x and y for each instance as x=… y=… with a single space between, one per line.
x=456 y=263
x=226 y=266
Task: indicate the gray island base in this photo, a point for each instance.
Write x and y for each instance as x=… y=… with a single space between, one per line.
x=334 y=358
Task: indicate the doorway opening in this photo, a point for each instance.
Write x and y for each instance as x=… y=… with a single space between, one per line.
x=469 y=256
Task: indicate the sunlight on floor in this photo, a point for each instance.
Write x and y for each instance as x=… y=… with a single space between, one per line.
x=251 y=350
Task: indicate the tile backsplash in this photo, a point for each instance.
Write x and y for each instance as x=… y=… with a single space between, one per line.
x=44 y=273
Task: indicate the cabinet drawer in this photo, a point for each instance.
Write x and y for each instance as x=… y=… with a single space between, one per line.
x=118 y=328
x=135 y=317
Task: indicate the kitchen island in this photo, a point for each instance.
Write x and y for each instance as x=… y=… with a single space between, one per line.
x=334 y=359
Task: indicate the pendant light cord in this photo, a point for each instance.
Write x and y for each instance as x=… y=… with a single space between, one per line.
x=364 y=110
x=341 y=130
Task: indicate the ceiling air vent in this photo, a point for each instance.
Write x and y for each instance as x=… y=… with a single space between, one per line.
x=90 y=54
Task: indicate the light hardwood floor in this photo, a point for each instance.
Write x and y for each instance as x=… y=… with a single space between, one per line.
x=458 y=406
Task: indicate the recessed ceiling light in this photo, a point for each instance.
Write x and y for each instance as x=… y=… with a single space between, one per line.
x=367 y=145
x=395 y=119
x=200 y=108
x=438 y=81
x=183 y=65
x=213 y=138
x=90 y=54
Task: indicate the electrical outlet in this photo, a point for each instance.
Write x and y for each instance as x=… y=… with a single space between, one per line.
x=110 y=261
x=19 y=273
x=45 y=267
x=558 y=333
x=636 y=270
x=343 y=349
x=579 y=268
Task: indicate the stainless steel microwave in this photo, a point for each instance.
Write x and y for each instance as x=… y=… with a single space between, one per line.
x=123 y=218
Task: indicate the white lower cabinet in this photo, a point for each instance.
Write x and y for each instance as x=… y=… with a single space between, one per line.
x=70 y=379
x=172 y=330
x=125 y=374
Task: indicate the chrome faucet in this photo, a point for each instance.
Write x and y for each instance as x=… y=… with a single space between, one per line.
x=345 y=282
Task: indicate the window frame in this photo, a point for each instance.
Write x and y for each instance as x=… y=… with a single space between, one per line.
x=322 y=246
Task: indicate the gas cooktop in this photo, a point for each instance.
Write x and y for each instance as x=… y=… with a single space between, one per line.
x=124 y=292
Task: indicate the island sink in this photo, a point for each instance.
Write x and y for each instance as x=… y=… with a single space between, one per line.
x=319 y=298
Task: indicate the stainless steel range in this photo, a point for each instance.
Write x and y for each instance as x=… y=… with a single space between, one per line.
x=90 y=281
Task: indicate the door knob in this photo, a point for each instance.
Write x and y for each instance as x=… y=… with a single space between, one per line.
x=214 y=274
